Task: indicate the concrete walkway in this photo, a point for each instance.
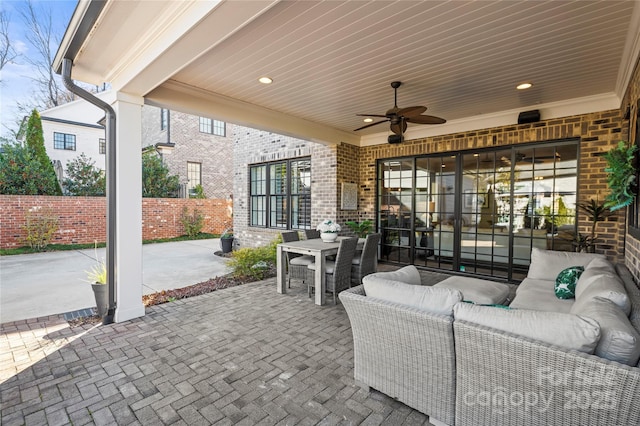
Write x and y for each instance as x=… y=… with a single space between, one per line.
x=42 y=284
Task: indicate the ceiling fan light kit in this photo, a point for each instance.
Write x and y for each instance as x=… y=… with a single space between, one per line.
x=395 y=138
x=399 y=117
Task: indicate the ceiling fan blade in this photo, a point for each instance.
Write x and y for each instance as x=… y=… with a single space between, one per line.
x=399 y=129
x=410 y=112
x=371 y=115
x=369 y=125
x=426 y=119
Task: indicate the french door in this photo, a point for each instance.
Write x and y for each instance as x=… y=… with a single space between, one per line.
x=478 y=212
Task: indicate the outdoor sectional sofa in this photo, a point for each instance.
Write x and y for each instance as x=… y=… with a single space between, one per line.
x=469 y=364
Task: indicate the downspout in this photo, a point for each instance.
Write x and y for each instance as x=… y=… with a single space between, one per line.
x=110 y=136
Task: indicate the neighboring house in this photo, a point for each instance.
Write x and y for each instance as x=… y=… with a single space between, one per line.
x=72 y=129
x=197 y=149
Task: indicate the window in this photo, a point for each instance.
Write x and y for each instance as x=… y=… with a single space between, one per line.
x=164 y=119
x=213 y=127
x=102 y=146
x=206 y=125
x=280 y=194
x=194 y=176
x=64 y=141
x=219 y=128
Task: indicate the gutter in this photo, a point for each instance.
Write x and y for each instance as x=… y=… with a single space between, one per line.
x=110 y=135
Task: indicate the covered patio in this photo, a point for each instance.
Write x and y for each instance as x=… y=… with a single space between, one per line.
x=245 y=355
x=328 y=62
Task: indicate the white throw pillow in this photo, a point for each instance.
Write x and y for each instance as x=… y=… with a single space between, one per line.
x=434 y=300
x=564 y=330
x=591 y=275
x=547 y=264
x=409 y=275
x=619 y=341
x=606 y=286
x=602 y=264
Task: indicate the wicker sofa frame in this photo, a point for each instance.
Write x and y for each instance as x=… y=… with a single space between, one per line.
x=496 y=378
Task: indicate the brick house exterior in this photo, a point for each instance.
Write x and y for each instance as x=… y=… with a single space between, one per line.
x=210 y=153
x=331 y=166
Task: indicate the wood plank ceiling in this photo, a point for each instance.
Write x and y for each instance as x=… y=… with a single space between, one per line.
x=332 y=60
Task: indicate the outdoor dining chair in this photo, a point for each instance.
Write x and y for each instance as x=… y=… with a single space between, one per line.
x=296 y=263
x=338 y=272
x=311 y=234
x=367 y=262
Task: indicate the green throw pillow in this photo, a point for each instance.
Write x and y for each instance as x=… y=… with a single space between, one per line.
x=565 y=287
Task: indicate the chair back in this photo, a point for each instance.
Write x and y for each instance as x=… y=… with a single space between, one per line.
x=342 y=270
x=289 y=236
x=369 y=257
x=311 y=234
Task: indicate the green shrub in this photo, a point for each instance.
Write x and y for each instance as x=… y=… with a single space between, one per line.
x=198 y=192
x=192 y=222
x=40 y=225
x=255 y=262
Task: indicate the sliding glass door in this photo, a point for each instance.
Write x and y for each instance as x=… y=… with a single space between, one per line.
x=479 y=212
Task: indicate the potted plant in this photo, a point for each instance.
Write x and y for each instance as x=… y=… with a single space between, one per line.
x=97 y=276
x=226 y=241
x=596 y=212
x=328 y=230
x=621 y=175
x=361 y=229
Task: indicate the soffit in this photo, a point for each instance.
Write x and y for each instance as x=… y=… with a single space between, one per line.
x=332 y=60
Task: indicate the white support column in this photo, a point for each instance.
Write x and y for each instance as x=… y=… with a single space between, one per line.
x=128 y=212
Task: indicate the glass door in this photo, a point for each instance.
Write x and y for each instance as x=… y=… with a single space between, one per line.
x=478 y=212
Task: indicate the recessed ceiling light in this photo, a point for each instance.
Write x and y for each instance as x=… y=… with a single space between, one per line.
x=265 y=80
x=523 y=86
x=368 y=120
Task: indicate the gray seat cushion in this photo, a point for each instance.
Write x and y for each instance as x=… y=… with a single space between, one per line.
x=302 y=260
x=482 y=292
x=329 y=266
x=539 y=295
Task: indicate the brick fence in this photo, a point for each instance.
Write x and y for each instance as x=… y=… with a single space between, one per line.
x=82 y=220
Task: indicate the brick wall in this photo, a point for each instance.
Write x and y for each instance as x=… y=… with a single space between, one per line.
x=598 y=132
x=632 y=244
x=253 y=146
x=83 y=219
x=214 y=153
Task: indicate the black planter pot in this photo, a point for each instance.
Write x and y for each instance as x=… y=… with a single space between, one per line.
x=226 y=244
x=101 y=293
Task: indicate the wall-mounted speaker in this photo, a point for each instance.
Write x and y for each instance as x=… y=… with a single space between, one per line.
x=529 y=116
x=395 y=138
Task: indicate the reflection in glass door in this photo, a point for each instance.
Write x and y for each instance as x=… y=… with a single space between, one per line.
x=478 y=212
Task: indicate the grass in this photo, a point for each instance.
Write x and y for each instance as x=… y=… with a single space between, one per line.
x=62 y=247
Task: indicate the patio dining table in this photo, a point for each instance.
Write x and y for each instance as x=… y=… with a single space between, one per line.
x=314 y=247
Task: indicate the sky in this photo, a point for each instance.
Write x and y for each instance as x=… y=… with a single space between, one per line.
x=16 y=83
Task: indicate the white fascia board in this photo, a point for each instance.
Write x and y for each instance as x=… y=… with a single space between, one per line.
x=178 y=96
x=630 y=53
x=182 y=35
x=578 y=106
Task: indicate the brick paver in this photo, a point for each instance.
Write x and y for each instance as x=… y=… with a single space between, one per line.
x=245 y=355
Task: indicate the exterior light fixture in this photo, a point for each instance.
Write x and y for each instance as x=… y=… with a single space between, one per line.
x=265 y=80
x=523 y=86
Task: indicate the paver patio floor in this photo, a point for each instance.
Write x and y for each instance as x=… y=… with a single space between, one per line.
x=245 y=355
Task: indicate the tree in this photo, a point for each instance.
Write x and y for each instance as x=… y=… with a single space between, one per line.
x=156 y=181
x=83 y=178
x=42 y=35
x=34 y=140
x=7 y=51
x=22 y=174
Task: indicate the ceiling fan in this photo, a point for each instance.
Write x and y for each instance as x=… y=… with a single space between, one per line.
x=399 y=117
